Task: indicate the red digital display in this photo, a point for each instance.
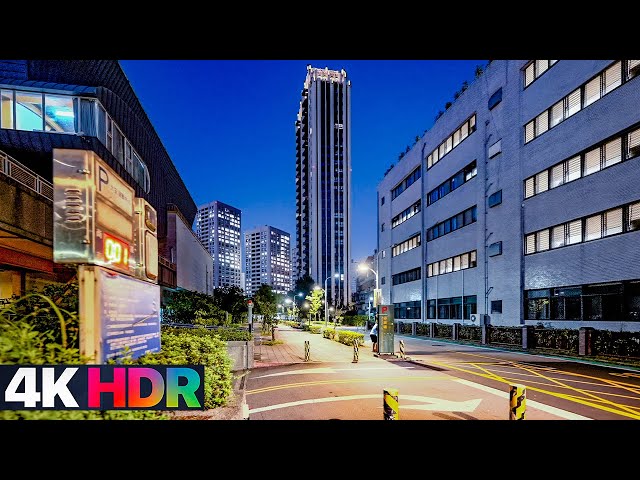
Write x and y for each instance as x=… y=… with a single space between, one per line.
x=116 y=252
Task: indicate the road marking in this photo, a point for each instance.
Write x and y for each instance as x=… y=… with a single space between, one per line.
x=436 y=403
x=350 y=380
x=626 y=374
x=532 y=403
x=329 y=370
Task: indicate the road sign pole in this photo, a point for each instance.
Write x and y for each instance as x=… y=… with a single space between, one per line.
x=250 y=315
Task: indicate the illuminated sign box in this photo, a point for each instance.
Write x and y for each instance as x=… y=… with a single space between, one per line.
x=93 y=212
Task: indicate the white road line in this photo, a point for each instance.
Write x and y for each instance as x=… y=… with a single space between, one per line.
x=313 y=400
x=329 y=370
x=532 y=403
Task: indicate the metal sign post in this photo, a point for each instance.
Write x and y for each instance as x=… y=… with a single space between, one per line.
x=250 y=315
x=386 y=330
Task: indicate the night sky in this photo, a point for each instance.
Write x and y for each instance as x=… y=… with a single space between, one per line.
x=229 y=127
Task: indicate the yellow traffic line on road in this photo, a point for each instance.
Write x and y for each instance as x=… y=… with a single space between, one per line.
x=337 y=381
x=554 y=394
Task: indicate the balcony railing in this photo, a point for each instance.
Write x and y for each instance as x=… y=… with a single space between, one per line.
x=21 y=174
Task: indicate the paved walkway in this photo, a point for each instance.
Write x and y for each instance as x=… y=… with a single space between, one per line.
x=292 y=350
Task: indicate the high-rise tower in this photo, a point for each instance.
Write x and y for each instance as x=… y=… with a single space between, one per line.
x=323 y=181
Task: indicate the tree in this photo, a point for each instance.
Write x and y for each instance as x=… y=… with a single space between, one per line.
x=316 y=300
x=303 y=285
x=267 y=306
x=231 y=299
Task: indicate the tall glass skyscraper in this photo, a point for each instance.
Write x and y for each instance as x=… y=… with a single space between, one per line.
x=218 y=228
x=323 y=182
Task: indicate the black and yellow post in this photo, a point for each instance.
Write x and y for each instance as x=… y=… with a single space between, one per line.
x=390 y=404
x=307 y=352
x=517 y=402
x=355 y=350
x=402 y=349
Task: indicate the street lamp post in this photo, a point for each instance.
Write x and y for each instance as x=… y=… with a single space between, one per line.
x=326 y=311
x=364 y=267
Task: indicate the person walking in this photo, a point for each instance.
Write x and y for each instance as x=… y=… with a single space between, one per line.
x=374 y=337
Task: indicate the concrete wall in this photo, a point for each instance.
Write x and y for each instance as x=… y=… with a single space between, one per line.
x=194 y=263
x=241 y=353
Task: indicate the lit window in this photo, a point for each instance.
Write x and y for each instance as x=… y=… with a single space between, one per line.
x=59 y=116
x=29 y=111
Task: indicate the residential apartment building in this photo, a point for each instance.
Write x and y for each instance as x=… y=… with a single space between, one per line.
x=521 y=203
x=267 y=259
x=323 y=182
x=73 y=104
x=218 y=227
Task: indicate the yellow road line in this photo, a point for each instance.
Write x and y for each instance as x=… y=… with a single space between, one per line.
x=498 y=377
x=554 y=394
x=337 y=381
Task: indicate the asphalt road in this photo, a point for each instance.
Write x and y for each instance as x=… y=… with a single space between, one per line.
x=444 y=381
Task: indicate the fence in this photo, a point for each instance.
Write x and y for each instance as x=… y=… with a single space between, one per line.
x=585 y=341
x=21 y=174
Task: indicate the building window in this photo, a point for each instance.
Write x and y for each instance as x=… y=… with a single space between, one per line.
x=406 y=214
x=407 y=310
x=496 y=306
x=455 y=308
x=382 y=201
x=451 y=224
x=462 y=132
x=603 y=83
x=382 y=227
x=59 y=113
x=619 y=301
x=452 y=264
x=383 y=280
x=405 y=246
x=6 y=109
x=494 y=249
x=495 y=199
x=595 y=158
x=461 y=177
x=406 y=183
x=29 y=111
x=406 y=276
x=536 y=68
x=495 y=99
x=593 y=227
x=431 y=309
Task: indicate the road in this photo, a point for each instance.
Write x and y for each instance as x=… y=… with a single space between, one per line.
x=442 y=381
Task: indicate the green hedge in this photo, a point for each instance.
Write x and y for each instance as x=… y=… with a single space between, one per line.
x=443 y=330
x=328 y=333
x=185 y=347
x=315 y=329
x=406 y=328
x=556 y=339
x=354 y=320
x=422 y=329
x=470 y=333
x=224 y=334
x=506 y=335
x=624 y=344
x=347 y=337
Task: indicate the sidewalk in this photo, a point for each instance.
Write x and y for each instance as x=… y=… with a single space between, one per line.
x=292 y=350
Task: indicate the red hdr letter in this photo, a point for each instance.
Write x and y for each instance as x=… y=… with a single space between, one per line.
x=117 y=387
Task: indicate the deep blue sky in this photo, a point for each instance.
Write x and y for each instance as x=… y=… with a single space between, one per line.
x=229 y=127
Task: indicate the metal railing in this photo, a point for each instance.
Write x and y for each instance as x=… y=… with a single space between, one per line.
x=21 y=174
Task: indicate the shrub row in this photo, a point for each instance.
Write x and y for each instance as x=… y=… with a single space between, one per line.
x=315 y=329
x=224 y=334
x=328 y=333
x=347 y=337
x=354 y=320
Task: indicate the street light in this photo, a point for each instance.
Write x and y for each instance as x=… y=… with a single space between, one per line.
x=288 y=301
x=363 y=267
x=326 y=311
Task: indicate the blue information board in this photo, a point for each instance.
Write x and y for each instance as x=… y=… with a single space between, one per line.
x=129 y=311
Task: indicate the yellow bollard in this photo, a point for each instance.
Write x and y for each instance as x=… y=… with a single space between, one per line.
x=355 y=350
x=307 y=351
x=402 y=349
x=390 y=404
x=517 y=402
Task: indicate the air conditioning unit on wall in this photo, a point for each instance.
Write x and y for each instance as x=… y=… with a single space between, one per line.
x=479 y=319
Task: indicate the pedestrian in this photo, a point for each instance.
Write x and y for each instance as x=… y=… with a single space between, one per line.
x=374 y=337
